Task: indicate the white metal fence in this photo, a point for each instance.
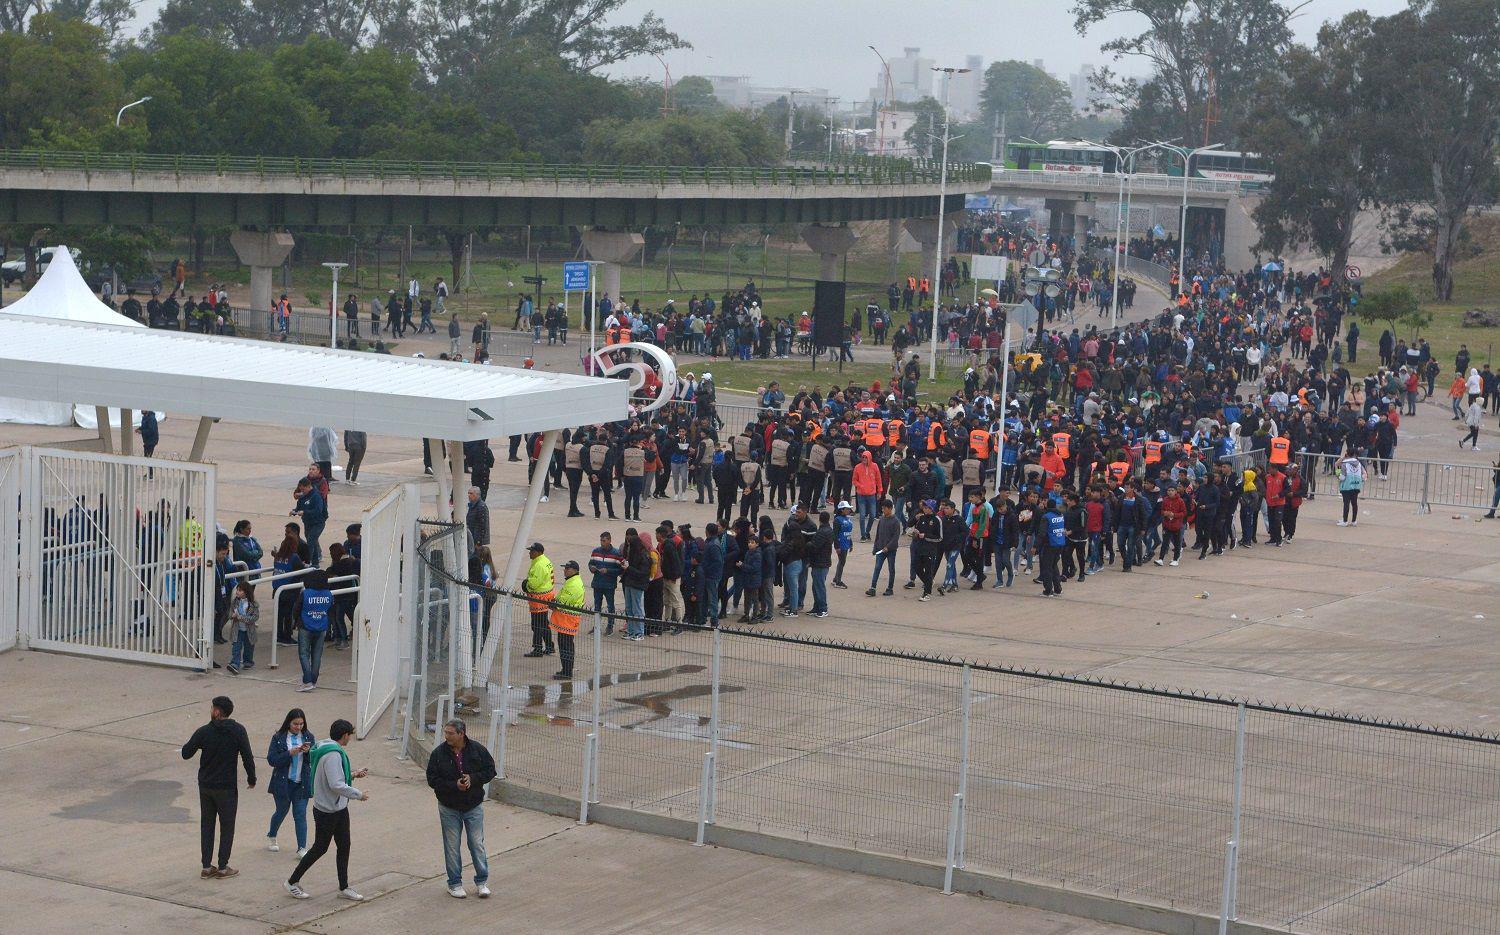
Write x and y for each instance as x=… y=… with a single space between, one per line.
x=1185 y=805
x=116 y=557
x=11 y=465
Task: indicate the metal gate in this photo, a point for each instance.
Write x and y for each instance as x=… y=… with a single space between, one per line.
x=388 y=531
x=10 y=547
x=117 y=557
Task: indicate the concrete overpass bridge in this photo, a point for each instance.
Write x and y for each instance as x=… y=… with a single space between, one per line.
x=1074 y=195
x=262 y=194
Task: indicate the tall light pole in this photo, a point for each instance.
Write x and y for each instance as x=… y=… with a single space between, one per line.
x=333 y=305
x=881 y=108
x=791 y=113
x=937 y=265
x=1187 y=168
x=1124 y=159
x=128 y=106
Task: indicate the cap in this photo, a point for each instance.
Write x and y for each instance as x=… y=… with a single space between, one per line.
x=571 y=564
x=708 y=376
x=843 y=505
x=535 y=547
x=930 y=504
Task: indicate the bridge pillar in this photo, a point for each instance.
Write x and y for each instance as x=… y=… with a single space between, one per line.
x=263 y=252
x=832 y=244
x=924 y=232
x=611 y=248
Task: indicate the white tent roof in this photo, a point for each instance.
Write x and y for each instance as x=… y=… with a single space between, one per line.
x=60 y=293
x=283 y=384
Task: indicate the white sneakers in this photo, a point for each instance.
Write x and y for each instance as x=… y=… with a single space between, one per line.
x=349 y=894
x=1341 y=523
x=457 y=892
x=306 y=687
x=296 y=891
x=545 y=499
x=301 y=852
x=273 y=847
x=1173 y=563
x=483 y=892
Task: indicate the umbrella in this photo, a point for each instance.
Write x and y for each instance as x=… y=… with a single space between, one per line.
x=1272 y=267
x=989 y=292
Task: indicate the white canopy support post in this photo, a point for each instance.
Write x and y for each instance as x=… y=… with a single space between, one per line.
x=101 y=416
x=200 y=440
x=456 y=484
x=441 y=475
x=127 y=432
x=463 y=618
x=517 y=554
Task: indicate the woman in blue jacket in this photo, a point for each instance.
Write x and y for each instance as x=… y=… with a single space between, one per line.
x=291 y=776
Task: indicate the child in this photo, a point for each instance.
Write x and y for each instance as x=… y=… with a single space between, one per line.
x=843 y=530
x=244 y=613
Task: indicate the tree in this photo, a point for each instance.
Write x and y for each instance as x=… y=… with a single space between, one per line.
x=111 y=16
x=694 y=95
x=1033 y=103
x=56 y=82
x=1446 y=103
x=1200 y=51
x=1390 y=306
x=926 y=134
x=728 y=139
x=1321 y=127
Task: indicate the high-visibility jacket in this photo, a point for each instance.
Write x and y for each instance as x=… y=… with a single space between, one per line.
x=874 y=431
x=1062 y=442
x=1187 y=449
x=1118 y=470
x=936 y=437
x=894 y=432
x=926 y=285
x=979 y=443
x=1281 y=450
x=539 y=584
x=911 y=283
x=1153 y=452
x=570 y=605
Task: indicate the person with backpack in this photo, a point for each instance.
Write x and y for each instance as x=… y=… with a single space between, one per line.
x=332 y=791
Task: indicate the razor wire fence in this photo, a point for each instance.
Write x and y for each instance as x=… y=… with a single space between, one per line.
x=1294 y=820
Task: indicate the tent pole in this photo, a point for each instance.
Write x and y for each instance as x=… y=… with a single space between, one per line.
x=127 y=431
x=101 y=416
x=200 y=440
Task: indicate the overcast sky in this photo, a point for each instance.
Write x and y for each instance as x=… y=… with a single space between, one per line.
x=802 y=43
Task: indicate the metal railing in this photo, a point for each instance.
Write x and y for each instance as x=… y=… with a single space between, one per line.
x=876 y=173
x=1191 y=805
x=1099 y=181
x=1423 y=483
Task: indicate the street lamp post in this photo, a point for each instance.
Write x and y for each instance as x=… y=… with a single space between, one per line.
x=1042 y=283
x=937 y=271
x=1187 y=168
x=1124 y=158
x=880 y=108
x=128 y=106
x=791 y=113
x=333 y=305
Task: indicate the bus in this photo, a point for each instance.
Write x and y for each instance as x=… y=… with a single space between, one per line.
x=1251 y=170
x=1061 y=156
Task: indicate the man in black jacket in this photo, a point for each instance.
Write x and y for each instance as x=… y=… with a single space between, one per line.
x=457 y=771
x=219 y=741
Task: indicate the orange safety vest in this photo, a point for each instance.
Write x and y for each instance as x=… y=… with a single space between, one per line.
x=893 y=431
x=911 y=283
x=935 y=437
x=1153 y=452
x=979 y=443
x=1117 y=471
x=565 y=621
x=1281 y=450
x=537 y=603
x=874 y=430
x=1061 y=441
x=926 y=284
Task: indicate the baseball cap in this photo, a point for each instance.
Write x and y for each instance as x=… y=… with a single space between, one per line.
x=930 y=504
x=535 y=547
x=570 y=564
x=844 y=505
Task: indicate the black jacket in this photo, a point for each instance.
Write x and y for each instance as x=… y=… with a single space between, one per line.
x=220 y=742
x=442 y=775
x=820 y=548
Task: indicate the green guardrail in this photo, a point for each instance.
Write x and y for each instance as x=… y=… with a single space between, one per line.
x=839 y=172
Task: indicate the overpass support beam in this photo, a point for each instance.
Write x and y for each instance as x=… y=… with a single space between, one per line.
x=611 y=249
x=924 y=232
x=831 y=243
x=263 y=252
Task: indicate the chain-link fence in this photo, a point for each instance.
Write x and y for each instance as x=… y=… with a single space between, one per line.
x=1298 y=821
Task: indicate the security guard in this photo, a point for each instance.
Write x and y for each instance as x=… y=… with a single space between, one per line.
x=601 y=466
x=574 y=451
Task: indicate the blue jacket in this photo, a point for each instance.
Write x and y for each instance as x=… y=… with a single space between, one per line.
x=314 y=510
x=711 y=562
x=316 y=603
x=752 y=572
x=843 y=528
x=281 y=763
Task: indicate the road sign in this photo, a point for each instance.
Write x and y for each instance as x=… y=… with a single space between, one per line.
x=575 y=277
x=1352 y=272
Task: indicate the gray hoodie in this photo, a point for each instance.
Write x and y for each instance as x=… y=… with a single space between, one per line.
x=330 y=792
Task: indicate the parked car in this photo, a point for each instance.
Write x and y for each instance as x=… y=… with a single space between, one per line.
x=142 y=284
x=12 y=270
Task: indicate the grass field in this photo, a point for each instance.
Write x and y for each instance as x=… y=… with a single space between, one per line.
x=748 y=376
x=1476 y=284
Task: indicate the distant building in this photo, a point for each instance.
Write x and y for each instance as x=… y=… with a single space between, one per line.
x=889 y=135
x=911 y=78
x=1080 y=84
x=738 y=92
x=964 y=91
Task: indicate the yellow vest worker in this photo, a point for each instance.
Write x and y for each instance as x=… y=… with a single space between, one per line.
x=1281 y=450
x=569 y=602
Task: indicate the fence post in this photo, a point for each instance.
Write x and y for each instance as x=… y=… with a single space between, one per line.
x=406 y=722
x=1425 y=506
x=704 y=784
x=1228 y=908
x=588 y=770
x=713 y=726
x=504 y=687
x=598 y=682
x=955 y=813
x=963 y=765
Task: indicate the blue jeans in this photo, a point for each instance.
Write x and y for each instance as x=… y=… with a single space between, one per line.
x=298 y=807
x=1096 y=551
x=455 y=825
x=899 y=501
x=950 y=574
x=886 y=560
x=709 y=601
x=635 y=608
x=242 y=653
x=789 y=576
x=310 y=653
x=820 y=589
x=867 y=513
x=1126 y=537
x=1005 y=573
x=602 y=599
x=312 y=534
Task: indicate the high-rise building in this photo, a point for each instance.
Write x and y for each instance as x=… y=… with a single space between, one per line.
x=964 y=92
x=1080 y=84
x=911 y=78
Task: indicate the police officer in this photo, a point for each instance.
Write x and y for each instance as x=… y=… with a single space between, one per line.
x=601 y=468
x=575 y=450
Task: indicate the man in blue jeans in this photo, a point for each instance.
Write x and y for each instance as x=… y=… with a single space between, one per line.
x=317 y=607
x=887 y=544
x=457 y=771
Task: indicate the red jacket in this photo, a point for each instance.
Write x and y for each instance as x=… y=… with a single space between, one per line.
x=868 y=481
x=1275 y=489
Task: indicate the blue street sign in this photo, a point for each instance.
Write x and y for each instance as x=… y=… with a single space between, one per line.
x=575 y=277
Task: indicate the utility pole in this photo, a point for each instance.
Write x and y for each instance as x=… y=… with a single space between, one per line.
x=791 y=113
x=937 y=272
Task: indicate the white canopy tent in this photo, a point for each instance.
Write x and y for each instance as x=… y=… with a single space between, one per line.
x=61 y=293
